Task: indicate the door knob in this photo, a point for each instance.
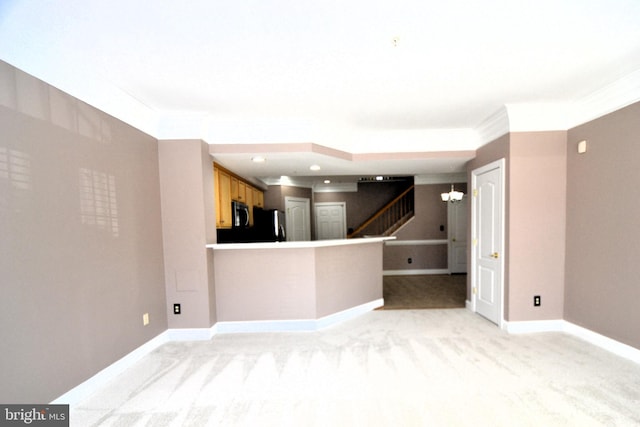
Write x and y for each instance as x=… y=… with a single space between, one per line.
x=494 y=255
x=453 y=240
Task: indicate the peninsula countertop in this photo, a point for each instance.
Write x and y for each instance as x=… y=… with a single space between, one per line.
x=295 y=285
x=298 y=244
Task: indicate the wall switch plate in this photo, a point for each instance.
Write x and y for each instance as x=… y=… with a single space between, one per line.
x=176 y=309
x=536 y=301
x=409 y=260
x=145 y=319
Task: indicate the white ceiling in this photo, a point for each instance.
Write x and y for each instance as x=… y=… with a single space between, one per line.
x=409 y=76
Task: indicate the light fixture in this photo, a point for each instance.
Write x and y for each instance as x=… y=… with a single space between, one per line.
x=258 y=159
x=327 y=181
x=452 y=196
x=314 y=167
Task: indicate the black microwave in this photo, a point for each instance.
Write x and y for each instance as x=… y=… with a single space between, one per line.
x=240 y=214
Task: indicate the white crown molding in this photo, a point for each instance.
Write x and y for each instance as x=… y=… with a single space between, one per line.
x=536 y=117
x=617 y=95
x=493 y=127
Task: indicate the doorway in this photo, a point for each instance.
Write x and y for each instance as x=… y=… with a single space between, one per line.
x=457 y=236
x=487 y=230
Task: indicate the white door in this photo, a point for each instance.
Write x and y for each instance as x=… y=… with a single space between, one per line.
x=297 y=219
x=488 y=232
x=457 y=233
x=331 y=221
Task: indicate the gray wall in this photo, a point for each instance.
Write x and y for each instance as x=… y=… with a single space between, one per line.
x=81 y=248
x=534 y=221
x=188 y=224
x=602 y=285
x=430 y=214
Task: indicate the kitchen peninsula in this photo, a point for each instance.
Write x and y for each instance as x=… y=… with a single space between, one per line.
x=296 y=285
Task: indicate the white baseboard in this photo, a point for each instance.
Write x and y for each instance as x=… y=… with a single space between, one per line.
x=88 y=387
x=606 y=343
x=415 y=272
x=302 y=325
x=615 y=347
x=191 y=334
x=85 y=389
x=534 y=326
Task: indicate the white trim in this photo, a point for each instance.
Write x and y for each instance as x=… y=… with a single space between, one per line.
x=615 y=347
x=192 y=334
x=431 y=242
x=615 y=96
x=468 y=305
x=257 y=326
x=348 y=314
x=493 y=127
x=533 y=326
x=88 y=387
x=559 y=325
x=538 y=116
x=415 y=272
x=301 y=325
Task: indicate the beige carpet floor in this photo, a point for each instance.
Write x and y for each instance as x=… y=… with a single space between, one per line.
x=424 y=291
x=384 y=368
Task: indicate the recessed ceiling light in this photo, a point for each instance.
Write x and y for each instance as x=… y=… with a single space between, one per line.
x=327 y=181
x=258 y=159
x=314 y=167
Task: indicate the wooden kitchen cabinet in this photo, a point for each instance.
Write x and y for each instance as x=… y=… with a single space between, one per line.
x=242 y=192
x=222 y=198
x=258 y=198
x=228 y=187
x=249 y=202
x=234 y=188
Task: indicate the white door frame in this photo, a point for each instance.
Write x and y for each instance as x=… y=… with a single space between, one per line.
x=501 y=165
x=343 y=207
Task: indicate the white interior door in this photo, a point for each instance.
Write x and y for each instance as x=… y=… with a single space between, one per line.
x=297 y=219
x=457 y=233
x=331 y=221
x=488 y=229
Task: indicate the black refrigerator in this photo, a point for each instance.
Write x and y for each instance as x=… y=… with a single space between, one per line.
x=268 y=225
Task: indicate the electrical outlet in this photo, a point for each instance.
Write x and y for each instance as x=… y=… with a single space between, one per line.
x=409 y=260
x=145 y=319
x=536 y=301
x=176 y=309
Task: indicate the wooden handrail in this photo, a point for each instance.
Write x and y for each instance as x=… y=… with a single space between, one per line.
x=380 y=212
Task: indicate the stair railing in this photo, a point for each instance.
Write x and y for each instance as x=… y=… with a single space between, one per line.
x=389 y=218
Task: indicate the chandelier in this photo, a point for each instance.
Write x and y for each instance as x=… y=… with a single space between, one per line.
x=452 y=196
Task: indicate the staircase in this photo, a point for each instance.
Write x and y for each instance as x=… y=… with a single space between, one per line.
x=388 y=219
